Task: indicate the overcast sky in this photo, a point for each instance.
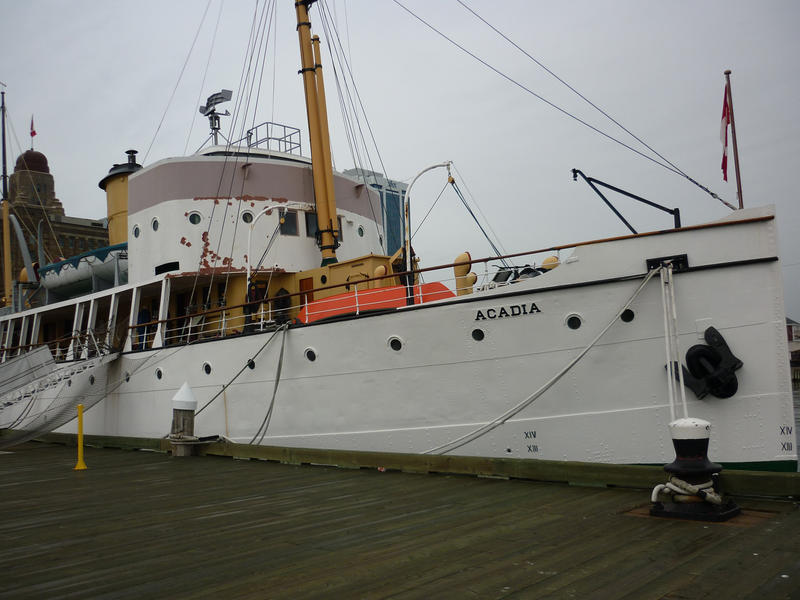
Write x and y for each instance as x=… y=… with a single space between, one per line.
x=97 y=76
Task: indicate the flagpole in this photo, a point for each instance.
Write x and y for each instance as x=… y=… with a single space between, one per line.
x=733 y=132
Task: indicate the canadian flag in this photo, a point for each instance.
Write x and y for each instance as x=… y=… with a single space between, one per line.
x=723 y=134
x=33 y=131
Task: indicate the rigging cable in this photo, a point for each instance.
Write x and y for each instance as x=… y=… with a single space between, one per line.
x=273 y=238
x=264 y=29
x=332 y=39
x=558 y=108
x=487 y=427
x=358 y=97
x=270 y=28
x=207 y=300
x=478 y=206
x=256 y=43
x=478 y=223
x=593 y=105
x=205 y=72
x=180 y=76
x=274 y=63
x=444 y=187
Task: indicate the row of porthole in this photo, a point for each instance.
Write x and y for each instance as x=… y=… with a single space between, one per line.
x=159 y=372
x=572 y=321
x=396 y=344
x=195 y=218
x=137 y=230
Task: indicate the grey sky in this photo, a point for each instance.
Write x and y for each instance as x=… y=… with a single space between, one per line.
x=97 y=77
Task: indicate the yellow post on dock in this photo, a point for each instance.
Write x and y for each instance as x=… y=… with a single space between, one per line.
x=80 y=466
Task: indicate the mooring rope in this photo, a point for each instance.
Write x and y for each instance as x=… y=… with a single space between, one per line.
x=246 y=365
x=682 y=491
x=486 y=428
x=262 y=429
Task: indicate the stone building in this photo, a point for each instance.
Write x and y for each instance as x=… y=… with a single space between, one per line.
x=32 y=198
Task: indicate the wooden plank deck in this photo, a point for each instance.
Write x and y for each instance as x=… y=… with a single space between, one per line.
x=146 y=525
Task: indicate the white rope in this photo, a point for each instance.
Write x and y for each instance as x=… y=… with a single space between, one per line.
x=671 y=341
x=675 y=347
x=682 y=491
x=486 y=428
x=667 y=348
x=262 y=430
x=247 y=364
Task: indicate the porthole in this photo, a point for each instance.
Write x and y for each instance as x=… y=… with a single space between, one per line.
x=627 y=315
x=194 y=218
x=247 y=216
x=69 y=382
x=324 y=279
x=159 y=373
x=206 y=368
x=360 y=231
x=154 y=224
x=251 y=363
x=395 y=344
x=136 y=231
x=478 y=335
x=91 y=379
x=310 y=354
x=574 y=322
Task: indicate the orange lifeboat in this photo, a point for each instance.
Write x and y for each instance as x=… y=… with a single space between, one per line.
x=368 y=300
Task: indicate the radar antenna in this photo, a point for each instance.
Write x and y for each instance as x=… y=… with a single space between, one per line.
x=210 y=111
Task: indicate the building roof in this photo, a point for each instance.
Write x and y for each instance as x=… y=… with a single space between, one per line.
x=31 y=160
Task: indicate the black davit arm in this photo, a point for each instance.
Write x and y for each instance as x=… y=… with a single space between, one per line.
x=676 y=213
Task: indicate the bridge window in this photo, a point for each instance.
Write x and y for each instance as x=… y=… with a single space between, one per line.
x=288 y=222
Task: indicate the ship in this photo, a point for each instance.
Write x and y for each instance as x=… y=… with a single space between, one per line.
x=254 y=282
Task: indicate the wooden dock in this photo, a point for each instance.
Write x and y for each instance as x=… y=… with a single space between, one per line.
x=142 y=524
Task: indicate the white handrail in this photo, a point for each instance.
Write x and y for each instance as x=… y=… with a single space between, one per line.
x=407 y=205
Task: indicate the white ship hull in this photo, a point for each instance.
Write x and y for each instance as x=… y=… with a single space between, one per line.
x=613 y=406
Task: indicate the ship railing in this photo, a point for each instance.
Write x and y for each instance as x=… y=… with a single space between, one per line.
x=273 y=136
x=365 y=295
x=268 y=313
x=79 y=345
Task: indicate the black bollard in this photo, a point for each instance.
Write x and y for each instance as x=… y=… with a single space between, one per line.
x=692 y=485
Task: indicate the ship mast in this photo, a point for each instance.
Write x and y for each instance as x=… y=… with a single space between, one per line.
x=321 y=165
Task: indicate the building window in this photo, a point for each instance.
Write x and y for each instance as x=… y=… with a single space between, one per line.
x=289 y=222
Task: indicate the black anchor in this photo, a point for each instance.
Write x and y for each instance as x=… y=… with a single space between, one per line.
x=711 y=367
